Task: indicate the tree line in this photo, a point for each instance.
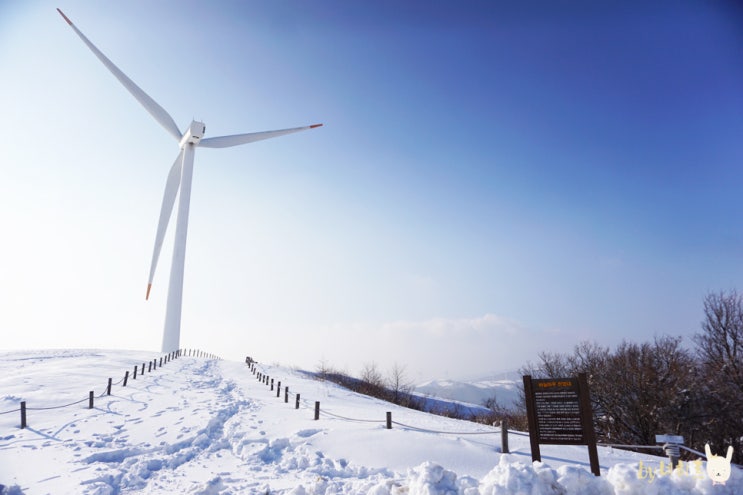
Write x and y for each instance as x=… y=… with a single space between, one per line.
x=639 y=390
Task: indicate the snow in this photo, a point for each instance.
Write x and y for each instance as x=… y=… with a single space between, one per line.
x=475 y=392
x=205 y=426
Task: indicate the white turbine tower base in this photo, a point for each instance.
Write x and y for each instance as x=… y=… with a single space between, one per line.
x=179 y=180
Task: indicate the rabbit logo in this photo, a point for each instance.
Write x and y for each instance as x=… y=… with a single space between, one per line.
x=718 y=467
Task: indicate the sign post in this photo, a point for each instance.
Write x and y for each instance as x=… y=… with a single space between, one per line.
x=559 y=413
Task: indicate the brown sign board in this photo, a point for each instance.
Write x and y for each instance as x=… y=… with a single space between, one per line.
x=559 y=413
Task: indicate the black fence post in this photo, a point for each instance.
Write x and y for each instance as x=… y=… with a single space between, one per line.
x=161 y=362
x=149 y=368
x=108 y=389
x=317 y=410
x=134 y=376
x=296 y=406
x=23 y=414
x=271 y=383
x=126 y=377
x=286 y=395
x=142 y=369
x=504 y=436
x=389 y=420
x=90 y=399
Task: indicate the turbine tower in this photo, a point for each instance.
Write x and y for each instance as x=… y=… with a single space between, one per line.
x=178 y=181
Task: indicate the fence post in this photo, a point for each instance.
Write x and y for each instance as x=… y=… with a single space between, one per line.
x=389 y=420
x=296 y=406
x=271 y=383
x=278 y=390
x=154 y=364
x=317 y=410
x=504 y=436
x=108 y=389
x=286 y=395
x=142 y=369
x=23 y=414
x=161 y=362
x=90 y=399
x=149 y=368
x=126 y=377
x=134 y=376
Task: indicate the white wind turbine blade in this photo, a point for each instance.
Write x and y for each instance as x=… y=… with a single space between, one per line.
x=148 y=103
x=238 y=139
x=171 y=190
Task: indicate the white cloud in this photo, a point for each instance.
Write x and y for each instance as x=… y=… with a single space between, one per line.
x=433 y=348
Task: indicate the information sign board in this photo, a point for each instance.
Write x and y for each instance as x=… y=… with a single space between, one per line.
x=559 y=412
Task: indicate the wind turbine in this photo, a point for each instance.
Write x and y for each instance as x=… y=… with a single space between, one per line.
x=179 y=180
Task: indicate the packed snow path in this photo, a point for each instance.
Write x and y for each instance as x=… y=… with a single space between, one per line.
x=210 y=427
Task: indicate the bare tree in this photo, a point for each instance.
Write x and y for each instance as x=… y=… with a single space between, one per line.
x=643 y=390
x=637 y=391
x=720 y=354
x=372 y=380
x=399 y=385
x=323 y=369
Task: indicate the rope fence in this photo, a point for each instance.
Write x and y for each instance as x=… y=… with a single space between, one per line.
x=270 y=382
x=502 y=428
x=153 y=365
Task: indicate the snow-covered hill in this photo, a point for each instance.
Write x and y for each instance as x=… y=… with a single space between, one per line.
x=504 y=388
x=205 y=426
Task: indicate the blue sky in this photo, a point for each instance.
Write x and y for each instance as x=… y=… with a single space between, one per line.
x=491 y=181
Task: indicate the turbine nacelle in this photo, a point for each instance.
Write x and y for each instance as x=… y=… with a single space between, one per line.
x=193 y=134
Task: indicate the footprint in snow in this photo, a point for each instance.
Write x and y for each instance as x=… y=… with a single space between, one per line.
x=308 y=433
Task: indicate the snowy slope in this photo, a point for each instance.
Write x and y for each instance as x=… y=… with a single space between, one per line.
x=210 y=427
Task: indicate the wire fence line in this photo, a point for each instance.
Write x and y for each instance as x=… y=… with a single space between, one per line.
x=153 y=365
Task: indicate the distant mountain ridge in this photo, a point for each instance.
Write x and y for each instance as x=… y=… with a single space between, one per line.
x=504 y=386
